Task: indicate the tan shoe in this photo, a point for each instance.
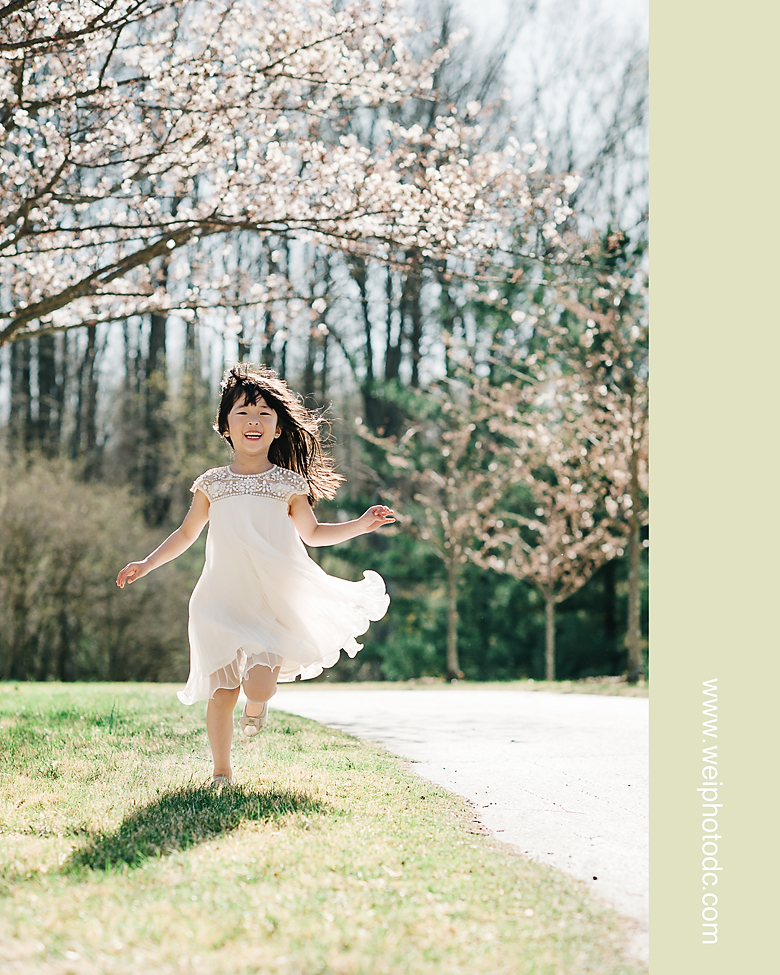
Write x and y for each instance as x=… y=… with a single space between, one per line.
x=251 y=726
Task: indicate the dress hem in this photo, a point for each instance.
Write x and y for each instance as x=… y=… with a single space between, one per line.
x=305 y=671
x=294 y=658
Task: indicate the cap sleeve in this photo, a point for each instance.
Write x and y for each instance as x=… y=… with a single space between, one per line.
x=297 y=485
x=202 y=483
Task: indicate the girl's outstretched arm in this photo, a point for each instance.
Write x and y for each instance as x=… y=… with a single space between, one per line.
x=173 y=545
x=316 y=535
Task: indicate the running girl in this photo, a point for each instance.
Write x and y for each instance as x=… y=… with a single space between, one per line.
x=262 y=610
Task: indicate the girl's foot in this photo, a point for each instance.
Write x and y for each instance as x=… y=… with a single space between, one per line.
x=220 y=782
x=252 y=725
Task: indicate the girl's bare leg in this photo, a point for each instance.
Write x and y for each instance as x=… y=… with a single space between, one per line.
x=219 y=725
x=259 y=687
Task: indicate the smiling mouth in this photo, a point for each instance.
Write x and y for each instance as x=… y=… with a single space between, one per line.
x=253 y=436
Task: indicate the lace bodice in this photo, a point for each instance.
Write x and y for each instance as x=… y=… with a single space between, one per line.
x=277 y=483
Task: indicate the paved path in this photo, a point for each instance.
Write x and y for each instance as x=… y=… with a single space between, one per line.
x=562 y=777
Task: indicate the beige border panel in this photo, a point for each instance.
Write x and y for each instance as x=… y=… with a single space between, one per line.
x=715 y=547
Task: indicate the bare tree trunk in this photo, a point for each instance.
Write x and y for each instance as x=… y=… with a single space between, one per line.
x=283 y=360
x=268 y=356
x=447 y=311
x=634 y=634
x=610 y=601
x=549 y=634
x=266 y=266
x=84 y=440
x=324 y=370
x=77 y=373
x=193 y=392
x=308 y=367
x=453 y=574
x=359 y=270
x=63 y=385
x=128 y=470
x=267 y=353
x=393 y=349
x=90 y=402
x=414 y=286
x=155 y=428
x=48 y=394
x=20 y=419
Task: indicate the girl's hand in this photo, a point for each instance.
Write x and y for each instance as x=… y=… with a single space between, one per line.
x=375 y=517
x=131 y=572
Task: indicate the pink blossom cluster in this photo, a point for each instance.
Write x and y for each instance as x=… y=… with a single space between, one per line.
x=130 y=130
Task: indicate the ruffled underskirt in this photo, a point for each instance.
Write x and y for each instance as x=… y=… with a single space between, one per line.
x=232 y=676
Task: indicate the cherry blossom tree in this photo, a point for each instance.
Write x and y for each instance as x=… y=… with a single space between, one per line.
x=439 y=477
x=611 y=355
x=561 y=468
x=132 y=129
x=588 y=320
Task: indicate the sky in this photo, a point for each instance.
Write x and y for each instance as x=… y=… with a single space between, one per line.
x=487 y=17
x=565 y=68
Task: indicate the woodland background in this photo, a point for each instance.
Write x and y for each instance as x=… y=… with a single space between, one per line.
x=497 y=396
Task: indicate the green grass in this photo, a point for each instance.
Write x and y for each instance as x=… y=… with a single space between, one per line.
x=328 y=858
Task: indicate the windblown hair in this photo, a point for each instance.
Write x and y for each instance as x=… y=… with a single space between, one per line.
x=299 y=446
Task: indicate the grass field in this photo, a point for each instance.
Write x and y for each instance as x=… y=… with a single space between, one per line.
x=328 y=858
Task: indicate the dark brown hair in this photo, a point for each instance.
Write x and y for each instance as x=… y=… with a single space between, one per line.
x=299 y=446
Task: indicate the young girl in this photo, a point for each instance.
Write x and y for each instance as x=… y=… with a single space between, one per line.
x=262 y=610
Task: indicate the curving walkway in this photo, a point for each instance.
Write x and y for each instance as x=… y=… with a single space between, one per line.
x=561 y=777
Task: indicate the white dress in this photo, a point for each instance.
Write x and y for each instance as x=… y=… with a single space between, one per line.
x=261 y=599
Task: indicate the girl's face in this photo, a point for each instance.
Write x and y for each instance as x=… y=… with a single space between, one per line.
x=252 y=428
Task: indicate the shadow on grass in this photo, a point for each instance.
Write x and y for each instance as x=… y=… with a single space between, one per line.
x=183 y=818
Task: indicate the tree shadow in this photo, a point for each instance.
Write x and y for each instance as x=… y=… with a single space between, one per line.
x=184 y=817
